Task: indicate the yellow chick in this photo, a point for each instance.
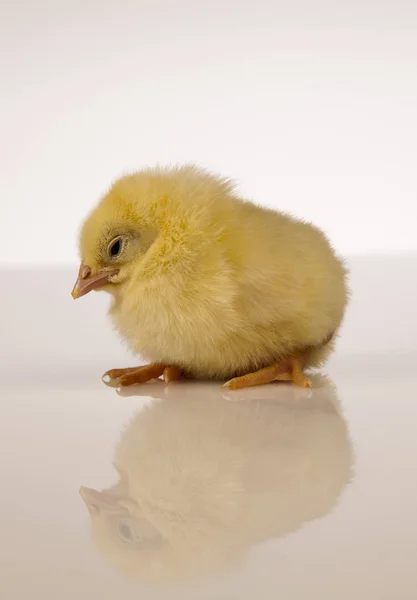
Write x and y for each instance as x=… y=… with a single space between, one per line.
x=207 y=285
x=202 y=481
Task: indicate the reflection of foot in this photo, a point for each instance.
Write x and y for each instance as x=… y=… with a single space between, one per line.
x=288 y=370
x=136 y=375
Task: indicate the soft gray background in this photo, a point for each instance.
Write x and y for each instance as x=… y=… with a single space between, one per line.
x=311 y=106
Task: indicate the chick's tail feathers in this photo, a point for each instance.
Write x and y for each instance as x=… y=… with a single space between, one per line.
x=316 y=356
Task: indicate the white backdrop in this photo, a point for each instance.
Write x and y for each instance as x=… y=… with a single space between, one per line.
x=311 y=106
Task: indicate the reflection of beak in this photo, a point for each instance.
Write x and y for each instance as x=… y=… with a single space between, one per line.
x=87 y=282
x=98 y=502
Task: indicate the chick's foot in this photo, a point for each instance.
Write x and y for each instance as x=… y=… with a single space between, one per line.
x=289 y=370
x=136 y=375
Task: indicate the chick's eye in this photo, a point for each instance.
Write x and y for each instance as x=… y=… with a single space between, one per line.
x=115 y=247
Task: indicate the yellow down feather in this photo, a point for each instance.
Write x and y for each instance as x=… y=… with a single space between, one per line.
x=209 y=282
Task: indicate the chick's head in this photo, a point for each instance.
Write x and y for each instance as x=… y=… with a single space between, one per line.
x=114 y=239
x=171 y=206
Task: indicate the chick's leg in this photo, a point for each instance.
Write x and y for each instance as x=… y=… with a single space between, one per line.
x=136 y=375
x=289 y=370
x=172 y=374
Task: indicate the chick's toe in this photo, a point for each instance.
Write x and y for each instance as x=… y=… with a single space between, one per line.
x=133 y=375
x=136 y=375
x=114 y=374
x=288 y=370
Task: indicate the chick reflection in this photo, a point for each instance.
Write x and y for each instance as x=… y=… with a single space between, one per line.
x=201 y=479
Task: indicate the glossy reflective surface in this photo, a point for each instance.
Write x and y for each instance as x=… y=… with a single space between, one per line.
x=191 y=492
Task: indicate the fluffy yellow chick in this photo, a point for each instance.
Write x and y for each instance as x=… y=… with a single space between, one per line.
x=208 y=285
x=202 y=481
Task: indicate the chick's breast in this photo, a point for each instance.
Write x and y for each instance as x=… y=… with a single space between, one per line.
x=244 y=287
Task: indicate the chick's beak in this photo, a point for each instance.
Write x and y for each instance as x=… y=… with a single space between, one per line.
x=86 y=281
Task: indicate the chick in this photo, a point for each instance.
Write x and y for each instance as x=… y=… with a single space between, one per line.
x=209 y=286
x=202 y=481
